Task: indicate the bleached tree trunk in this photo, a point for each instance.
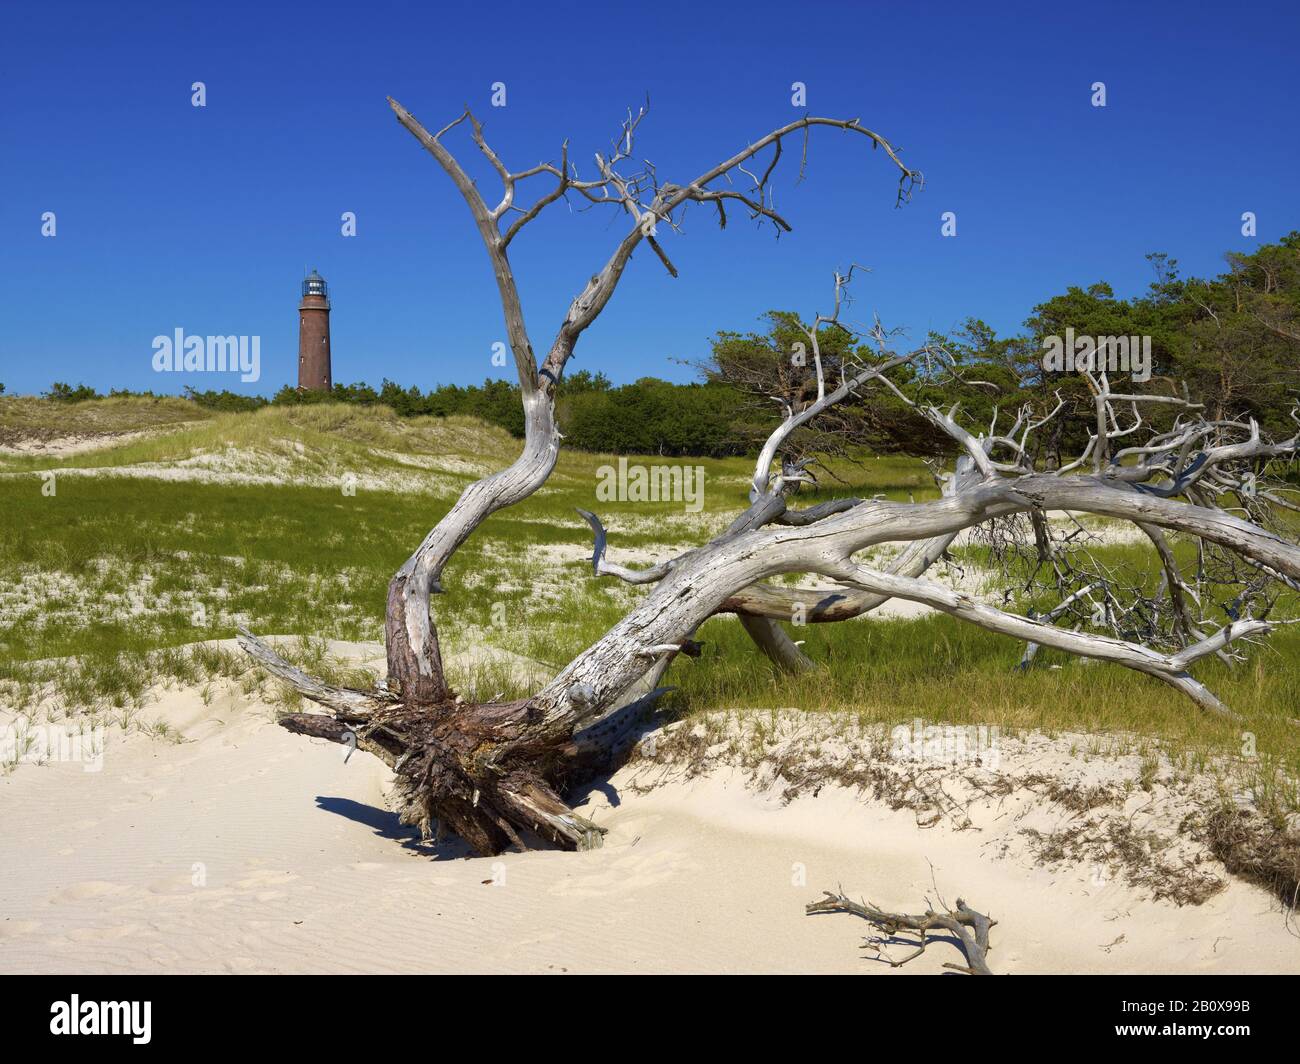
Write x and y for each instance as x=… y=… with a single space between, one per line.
x=702 y=584
x=416 y=689
x=493 y=772
x=490 y=771
x=414 y=657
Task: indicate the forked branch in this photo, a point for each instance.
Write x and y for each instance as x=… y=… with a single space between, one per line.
x=968 y=927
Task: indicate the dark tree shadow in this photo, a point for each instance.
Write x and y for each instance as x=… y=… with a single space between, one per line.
x=596 y=779
x=386 y=825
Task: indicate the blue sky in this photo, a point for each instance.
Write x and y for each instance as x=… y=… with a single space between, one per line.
x=171 y=216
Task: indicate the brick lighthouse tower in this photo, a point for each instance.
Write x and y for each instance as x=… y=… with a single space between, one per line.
x=314 y=335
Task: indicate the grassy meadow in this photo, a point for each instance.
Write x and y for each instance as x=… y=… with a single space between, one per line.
x=293 y=519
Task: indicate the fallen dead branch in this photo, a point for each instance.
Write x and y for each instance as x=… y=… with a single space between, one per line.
x=970 y=928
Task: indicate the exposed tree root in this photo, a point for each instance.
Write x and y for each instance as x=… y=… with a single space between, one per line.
x=447 y=777
x=449 y=762
x=970 y=928
x=476 y=769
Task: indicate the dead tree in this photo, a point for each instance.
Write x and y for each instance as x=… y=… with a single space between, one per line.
x=427 y=734
x=414 y=662
x=493 y=772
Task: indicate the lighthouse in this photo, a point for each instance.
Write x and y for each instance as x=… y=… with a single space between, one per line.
x=314 y=335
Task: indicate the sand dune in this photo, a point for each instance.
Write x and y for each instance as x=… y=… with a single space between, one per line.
x=246 y=849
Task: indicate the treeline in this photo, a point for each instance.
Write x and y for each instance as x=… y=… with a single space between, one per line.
x=649 y=416
x=1234 y=339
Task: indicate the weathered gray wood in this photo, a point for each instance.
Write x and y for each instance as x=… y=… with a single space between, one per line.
x=971 y=928
x=347 y=702
x=414 y=656
x=705 y=580
x=773 y=641
x=490 y=771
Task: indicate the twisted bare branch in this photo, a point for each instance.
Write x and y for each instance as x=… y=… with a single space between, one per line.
x=970 y=928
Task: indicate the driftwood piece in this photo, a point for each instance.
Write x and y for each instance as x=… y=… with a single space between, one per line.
x=970 y=928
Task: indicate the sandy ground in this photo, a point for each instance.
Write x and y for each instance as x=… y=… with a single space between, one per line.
x=66 y=446
x=246 y=849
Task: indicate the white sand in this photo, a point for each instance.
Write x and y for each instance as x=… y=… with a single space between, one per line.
x=66 y=446
x=246 y=849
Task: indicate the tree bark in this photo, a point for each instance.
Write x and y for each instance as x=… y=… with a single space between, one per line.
x=493 y=773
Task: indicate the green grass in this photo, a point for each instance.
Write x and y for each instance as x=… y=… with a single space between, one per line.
x=121 y=571
x=26 y=418
x=939 y=669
